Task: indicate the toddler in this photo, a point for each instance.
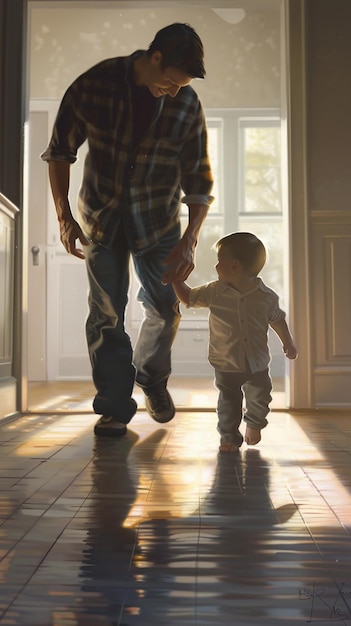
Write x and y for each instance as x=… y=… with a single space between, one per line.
x=241 y=308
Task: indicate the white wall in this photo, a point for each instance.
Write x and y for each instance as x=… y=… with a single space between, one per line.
x=242 y=60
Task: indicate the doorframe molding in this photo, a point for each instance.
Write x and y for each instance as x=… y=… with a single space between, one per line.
x=13 y=119
x=301 y=380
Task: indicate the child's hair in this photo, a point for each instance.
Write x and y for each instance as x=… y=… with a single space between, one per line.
x=246 y=248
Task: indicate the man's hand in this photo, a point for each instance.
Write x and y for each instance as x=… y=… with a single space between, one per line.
x=179 y=263
x=70 y=231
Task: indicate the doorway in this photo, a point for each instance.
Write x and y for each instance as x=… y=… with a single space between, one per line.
x=242 y=96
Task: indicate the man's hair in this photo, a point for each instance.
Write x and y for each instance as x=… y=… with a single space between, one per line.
x=246 y=248
x=180 y=47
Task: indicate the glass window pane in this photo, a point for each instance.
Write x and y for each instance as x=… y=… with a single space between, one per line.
x=270 y=231
x=262 y=181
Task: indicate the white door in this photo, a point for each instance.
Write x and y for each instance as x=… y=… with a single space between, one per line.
x=58 y=289
x=37 y=247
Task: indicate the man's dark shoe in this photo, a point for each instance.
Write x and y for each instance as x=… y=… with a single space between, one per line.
x=159 y=404
x=109 y=426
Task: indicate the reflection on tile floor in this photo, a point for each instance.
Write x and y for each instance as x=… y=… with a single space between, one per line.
x=157 y=528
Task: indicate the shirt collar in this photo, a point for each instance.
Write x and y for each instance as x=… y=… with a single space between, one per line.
x=223 y=286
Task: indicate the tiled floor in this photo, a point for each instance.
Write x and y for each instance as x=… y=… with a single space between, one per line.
x=158 y=529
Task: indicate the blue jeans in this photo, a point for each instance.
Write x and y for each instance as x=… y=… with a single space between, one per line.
x=114 y=367
x=232 y=386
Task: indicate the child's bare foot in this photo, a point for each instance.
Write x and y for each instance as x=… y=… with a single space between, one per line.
x=228 y=447
x=252 y=436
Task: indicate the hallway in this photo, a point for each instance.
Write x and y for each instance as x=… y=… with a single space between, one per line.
x=157 y=528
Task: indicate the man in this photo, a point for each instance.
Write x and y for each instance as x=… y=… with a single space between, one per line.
x=147 y=144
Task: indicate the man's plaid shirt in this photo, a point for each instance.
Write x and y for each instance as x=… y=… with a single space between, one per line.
x=145 y=183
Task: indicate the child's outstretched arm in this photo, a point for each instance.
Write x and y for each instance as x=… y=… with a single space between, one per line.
x=182 y=291
x=283 y=332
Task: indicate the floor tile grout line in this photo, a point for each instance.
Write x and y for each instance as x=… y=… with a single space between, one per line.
x=25 y=585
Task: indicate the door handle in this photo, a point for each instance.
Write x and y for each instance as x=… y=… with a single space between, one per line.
x=35 y=254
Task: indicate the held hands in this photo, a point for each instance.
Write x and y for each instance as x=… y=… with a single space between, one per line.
x=179 y=263
x=290 y=351
x=70 y=231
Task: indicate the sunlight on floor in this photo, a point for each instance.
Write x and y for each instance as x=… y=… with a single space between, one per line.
x=188 y=393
